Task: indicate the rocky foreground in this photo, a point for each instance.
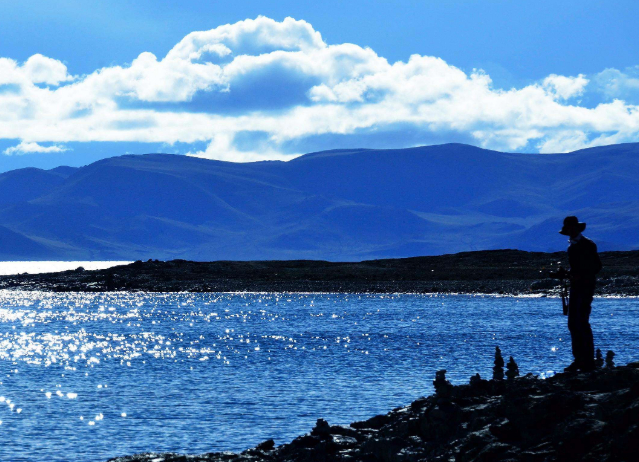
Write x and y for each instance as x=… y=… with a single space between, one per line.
x=569 y=417
x=510 y=272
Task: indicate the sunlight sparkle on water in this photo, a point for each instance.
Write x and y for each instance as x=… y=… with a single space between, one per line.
x=91 y=369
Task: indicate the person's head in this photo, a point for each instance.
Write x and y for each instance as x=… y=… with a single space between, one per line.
x=572 y=227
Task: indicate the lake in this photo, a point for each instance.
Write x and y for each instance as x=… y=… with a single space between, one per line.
x=86 y=377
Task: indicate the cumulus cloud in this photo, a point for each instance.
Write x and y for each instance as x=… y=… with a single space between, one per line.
x=26 y=148
x=41 y=69
x=565 y=87
x=253 y=89
x=38 y=69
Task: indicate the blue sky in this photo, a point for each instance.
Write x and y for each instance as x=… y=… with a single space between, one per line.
x=84 y=80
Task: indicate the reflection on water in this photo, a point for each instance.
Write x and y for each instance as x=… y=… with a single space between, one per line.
x=90 y=376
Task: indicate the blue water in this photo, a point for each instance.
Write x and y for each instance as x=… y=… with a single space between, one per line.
x=86 y=377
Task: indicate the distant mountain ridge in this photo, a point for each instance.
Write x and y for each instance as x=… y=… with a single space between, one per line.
x=335 y=205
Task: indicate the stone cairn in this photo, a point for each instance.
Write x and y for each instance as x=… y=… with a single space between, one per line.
x=599 y=361
x=498 y=370
x=512 y=369
x=443 y=388
x=475 y=380
x=322 y=428
x=609 y=359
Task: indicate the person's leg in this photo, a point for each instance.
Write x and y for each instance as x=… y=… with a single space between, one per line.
x=579 y=326
x=573 y=325
x=589 y=344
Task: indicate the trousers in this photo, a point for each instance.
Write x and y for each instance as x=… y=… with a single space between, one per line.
x=579 y=307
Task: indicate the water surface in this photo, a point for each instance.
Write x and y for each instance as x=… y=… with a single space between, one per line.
x=86 y=377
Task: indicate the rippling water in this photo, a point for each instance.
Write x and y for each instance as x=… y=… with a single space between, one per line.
x=90 y=376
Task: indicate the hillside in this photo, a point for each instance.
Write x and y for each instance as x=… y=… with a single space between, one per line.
x=334 y=205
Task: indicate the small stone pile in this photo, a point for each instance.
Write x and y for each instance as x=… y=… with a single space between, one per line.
x=512 y=369
x=443 y=387
x=475 y=380
x=498 y=369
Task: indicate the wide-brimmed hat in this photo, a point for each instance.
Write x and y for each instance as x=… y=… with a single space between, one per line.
x=572 y=221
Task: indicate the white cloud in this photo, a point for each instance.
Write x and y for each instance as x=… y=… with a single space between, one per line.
x=38 y=69
x=249 y=37
x=41 y=69
x=565 y=141
x=282 y=84
x=222 y=148
x=566 y=87
x=26 y=148
x=615 y=84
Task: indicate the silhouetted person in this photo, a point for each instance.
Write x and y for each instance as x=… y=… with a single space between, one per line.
x=584 y=266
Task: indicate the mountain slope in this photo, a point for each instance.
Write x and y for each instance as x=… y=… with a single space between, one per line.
x=29 y=183
x=335 y=205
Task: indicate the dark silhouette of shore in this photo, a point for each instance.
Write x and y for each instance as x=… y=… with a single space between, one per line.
x=577 y=417
x=509 y=272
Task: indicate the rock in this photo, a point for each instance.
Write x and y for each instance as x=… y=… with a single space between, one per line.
x=440 y=422
x=475 y=380
x=305 y=441
x=385 y=450
x=538 y=416
x=109 y=281
x=473 y=443
x=322 y=428
x=267 y=445
x=375 y=423
x=479 y=386
x=578 y=437
x=497 y=451
x=568 y=417
x=626 y=445
x=344 y=430
x=418 y=404
x=402 y=428
x=504 y=431
x=343 y=442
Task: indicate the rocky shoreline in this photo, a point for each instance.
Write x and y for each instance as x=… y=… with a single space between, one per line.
x=508 y=272
x=568 y=417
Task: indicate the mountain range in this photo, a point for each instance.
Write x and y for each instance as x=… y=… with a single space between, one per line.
x=335 y=205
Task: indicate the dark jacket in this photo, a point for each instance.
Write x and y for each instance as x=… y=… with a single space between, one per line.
x=584 y=261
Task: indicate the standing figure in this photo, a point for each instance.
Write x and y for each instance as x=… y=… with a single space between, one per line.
x=584 y=266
